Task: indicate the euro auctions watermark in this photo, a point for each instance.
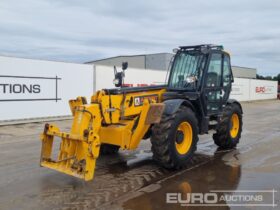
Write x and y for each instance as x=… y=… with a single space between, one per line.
x=265 y=198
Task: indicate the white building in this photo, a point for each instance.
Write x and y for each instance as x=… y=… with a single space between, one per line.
x=160 y=61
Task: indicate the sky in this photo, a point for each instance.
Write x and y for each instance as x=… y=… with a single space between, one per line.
x=85 y=30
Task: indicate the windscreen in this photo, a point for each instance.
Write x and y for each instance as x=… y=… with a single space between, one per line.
x=187 y=70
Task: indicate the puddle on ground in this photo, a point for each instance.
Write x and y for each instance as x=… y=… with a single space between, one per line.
x=222 y=172
x=225 y=171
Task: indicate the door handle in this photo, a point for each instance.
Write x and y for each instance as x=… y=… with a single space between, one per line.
x=222 y=93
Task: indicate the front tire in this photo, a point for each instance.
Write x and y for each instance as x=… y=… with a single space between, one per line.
x=174 y=139
x=229 y=130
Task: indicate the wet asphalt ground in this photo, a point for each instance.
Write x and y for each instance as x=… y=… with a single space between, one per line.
x=131 y=180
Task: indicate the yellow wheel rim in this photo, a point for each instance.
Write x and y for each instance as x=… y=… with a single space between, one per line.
x=234 y=125
x=186 y=129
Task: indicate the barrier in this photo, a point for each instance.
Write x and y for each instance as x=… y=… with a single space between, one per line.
x=133 y=77
x=34 y=88
x=253 y=89
x=242 y=89
x=41 y=89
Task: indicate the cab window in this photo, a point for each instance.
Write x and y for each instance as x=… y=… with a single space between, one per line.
x=214 y=71
x=227 y=72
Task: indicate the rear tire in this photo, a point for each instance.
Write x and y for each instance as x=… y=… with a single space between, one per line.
x=229 y=129
x=174 y=139
x=108 y=149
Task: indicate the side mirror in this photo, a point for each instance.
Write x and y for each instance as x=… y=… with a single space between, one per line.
x=124 y=66
x=118 y=81
x=227 y=78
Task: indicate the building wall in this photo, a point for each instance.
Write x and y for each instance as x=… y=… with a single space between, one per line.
x=133 y=61
x=253 y=89
x=158 y=61
x=35 y=88
x=161 y=61
x=133 y=77
x=243 y=72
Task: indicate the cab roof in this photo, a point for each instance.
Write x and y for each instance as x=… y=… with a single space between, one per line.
x=203 y=46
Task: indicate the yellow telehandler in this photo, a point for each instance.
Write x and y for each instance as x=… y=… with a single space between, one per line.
x=194 y=101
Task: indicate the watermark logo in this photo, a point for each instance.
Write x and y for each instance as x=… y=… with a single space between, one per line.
x=265 y=198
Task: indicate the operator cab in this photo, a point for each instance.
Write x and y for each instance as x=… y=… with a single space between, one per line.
x=203 y=75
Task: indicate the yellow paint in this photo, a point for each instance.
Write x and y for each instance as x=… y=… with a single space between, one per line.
x=117 y=134
x=79 y=149
x=185 y=145
x=75 y=103
x=141 y=128
x=235 y=125
x=112 y=119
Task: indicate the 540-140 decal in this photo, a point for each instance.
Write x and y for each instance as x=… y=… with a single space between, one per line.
x=138 y=101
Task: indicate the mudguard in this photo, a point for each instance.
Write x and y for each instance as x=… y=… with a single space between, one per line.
x=233 y=101
x=172 y=105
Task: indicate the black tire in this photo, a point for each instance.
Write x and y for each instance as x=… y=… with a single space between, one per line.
x=163 y=139
x=223 y=137
x=148 y=134
x=108 y=149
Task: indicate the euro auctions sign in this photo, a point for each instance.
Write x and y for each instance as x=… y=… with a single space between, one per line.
x=264 y=89
x=28 y=88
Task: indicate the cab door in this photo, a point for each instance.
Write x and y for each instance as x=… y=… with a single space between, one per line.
x=213 y=84
x=227 y=78
x=218 y=82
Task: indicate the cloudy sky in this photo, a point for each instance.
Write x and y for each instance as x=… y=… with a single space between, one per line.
x=79 y=31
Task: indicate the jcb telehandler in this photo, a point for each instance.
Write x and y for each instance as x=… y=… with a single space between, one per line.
x=194 y=101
